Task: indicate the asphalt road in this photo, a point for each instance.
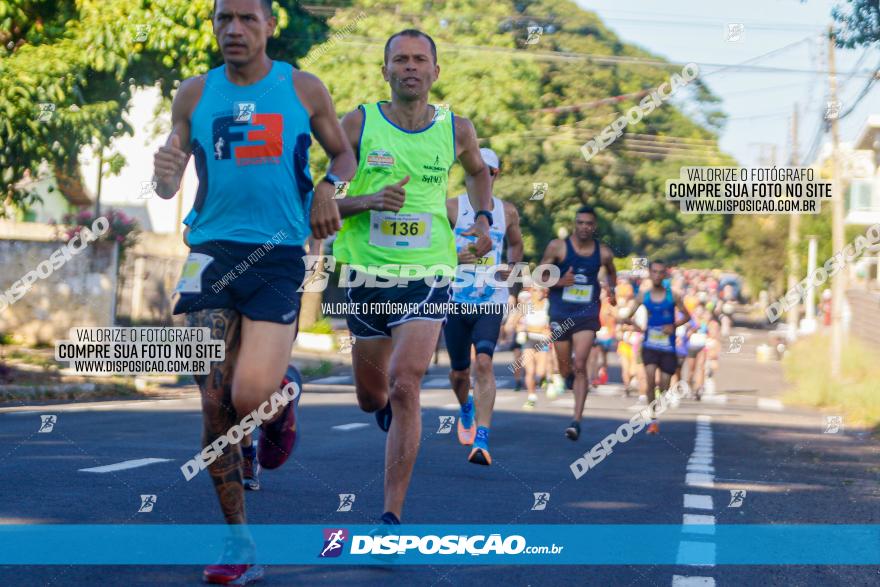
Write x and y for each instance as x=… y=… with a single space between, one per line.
x=793 y=472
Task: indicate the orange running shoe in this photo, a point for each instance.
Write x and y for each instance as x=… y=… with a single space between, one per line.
x=653 y=428
x=467 y=428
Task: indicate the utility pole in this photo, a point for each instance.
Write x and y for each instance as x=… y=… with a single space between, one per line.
x=100 y=178
x=794 y=221
x=838 y=284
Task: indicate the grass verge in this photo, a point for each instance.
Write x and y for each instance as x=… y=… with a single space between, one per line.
x=856 y=394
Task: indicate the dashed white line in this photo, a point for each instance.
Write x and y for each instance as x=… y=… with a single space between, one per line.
x=352 y=426
x=704 y=524
x=699 y=480
x=700 y=469
x=698 y=502
x=690 y=552
x=682 y=581
x=124 y=465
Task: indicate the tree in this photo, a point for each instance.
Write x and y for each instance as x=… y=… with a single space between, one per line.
x=859 y=23
x=68 y=69
x=520 y=96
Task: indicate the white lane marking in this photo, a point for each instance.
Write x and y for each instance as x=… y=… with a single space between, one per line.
x=700 y=469
x=765 y=403
x=700 y=461
x=682 y=581
x=704 y=524
x=332 y=380
x=352 y=426
x=133 y=464
x=451 y=407
x=704 y=454
x=704 y=419
x=699 y=480
x=698 y=502
x=696 y=551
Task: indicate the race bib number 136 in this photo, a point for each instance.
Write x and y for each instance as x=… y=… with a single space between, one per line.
x=410 y=231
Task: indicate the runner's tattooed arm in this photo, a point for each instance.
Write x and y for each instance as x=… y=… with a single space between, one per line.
x=218 y=413
x=477 y=180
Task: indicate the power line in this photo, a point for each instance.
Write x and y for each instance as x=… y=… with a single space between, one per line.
x=607 y=59
x=330 y=9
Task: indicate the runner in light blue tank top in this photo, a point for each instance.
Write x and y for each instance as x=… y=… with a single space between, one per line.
x=251 y=149
x=248 y=125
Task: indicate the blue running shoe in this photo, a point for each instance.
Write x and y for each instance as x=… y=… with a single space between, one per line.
x=480 y=452
x=383 y=417
x=466 y=428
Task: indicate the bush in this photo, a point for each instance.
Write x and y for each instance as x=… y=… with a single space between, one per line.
x=123 y=230
x=322 y=326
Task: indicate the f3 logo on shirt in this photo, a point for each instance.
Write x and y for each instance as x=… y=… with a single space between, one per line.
x=266 y=130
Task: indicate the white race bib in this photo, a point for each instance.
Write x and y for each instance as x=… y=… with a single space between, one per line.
x=578 y=294
x=658 y=337
x=191 y=276
x=400 y=231
x=698 y=339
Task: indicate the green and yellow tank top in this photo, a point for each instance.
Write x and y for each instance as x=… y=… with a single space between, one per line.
x=419 y=234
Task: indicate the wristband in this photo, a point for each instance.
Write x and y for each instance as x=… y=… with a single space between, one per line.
x=485 y=213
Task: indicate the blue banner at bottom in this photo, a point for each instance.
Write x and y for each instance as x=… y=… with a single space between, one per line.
x=740 y=544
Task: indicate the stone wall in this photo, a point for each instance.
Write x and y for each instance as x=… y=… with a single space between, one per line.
x=80 y=292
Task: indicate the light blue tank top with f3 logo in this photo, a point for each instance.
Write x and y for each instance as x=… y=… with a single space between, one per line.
x=251 y=150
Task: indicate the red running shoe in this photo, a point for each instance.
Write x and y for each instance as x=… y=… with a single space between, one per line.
x=278 y=438
x=233 y=574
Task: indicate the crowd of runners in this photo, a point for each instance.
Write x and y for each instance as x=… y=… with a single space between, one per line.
x=248 y=125
x=709 y=305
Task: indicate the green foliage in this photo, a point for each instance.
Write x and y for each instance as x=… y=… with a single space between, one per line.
x=859 y=23
x=322 y=326
x=490 y=75
x=85 y=57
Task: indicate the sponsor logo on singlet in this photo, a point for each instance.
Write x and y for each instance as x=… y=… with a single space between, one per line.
x=230 y=133
x=436 y=166
x=380 y=158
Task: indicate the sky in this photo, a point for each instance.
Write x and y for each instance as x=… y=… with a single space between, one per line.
x=759 y=104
